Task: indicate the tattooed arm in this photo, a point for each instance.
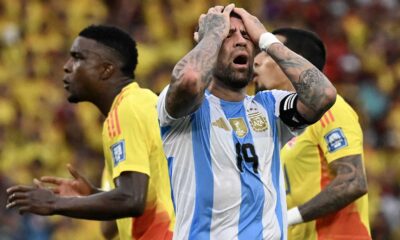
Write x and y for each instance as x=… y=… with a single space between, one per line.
x=349 y=184
x=193 y=73
x=315 y=91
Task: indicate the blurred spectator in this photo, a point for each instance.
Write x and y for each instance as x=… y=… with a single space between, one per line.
x=362 y=38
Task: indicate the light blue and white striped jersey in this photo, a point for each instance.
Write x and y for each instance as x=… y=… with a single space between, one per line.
x=226 y=177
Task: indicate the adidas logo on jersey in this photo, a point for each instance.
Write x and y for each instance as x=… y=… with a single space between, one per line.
x=221 y=124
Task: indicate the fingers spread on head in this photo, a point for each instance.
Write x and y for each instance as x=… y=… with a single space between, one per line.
x=240 y=11
x=219 y=9
x=228 y=9
x=216 y=9
x=201 y=19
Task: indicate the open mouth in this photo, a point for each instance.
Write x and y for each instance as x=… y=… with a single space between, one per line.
x=241 y=60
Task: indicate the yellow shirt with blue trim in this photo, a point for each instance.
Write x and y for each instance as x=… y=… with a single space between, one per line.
x=132 y=142
x=306 y=157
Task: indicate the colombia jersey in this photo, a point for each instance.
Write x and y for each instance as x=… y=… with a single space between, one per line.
x=226 y=176
x=132 y=142
x=306 y=158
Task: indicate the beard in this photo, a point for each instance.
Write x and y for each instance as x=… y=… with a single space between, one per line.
x=233 y=79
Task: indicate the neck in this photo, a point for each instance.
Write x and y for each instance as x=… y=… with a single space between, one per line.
x=106 y=98
x=226 y=93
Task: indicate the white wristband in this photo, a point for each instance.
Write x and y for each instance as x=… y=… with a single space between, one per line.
x=294 y=216
x=266 y=39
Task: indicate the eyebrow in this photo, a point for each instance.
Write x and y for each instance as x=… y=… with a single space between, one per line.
x=234 y=29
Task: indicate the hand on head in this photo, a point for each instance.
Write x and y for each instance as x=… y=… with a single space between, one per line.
x=216 y=21
x=252 y=25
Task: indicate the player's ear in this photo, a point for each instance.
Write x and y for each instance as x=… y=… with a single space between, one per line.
x=108 y=70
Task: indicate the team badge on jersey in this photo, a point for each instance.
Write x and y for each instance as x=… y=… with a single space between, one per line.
x=335 y=140
x=239 y=126
x=118 y=152
x=258 y=122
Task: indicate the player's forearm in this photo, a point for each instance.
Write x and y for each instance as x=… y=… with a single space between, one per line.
x=349 y=184
x=101 y=206
x=192 y=75
x=315 y=91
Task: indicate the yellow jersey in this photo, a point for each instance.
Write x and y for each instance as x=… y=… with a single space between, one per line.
x=132 y=142
x=306 y=158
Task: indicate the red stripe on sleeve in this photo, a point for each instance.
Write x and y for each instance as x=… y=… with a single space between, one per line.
x=331 y=116
x=322 y=122
x=108 y=127
x=326 y=119
x=113 y=134
x=117 y=121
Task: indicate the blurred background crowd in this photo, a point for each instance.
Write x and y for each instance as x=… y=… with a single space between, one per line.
x=40 y=132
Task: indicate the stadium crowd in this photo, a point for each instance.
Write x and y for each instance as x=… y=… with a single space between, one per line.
x=40 y=132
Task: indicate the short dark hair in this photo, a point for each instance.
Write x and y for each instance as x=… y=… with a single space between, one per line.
x=118 y=40
x=305 y=43
x=235 y=15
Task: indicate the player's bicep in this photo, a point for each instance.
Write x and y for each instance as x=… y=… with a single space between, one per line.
x=349 y=170
x=133 y=187
x=181 y=102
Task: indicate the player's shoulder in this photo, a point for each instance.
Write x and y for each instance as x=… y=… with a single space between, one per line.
x=341 y=113
x=342 y=110
x=139 y=97
x=271 y=96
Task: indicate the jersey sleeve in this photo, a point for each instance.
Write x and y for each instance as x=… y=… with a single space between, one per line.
x=339 y=133
x=130 y=151
x=279 y=96
x=163 y=116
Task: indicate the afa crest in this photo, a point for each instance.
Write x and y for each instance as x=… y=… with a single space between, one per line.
x=239 y=126
x=258 y=122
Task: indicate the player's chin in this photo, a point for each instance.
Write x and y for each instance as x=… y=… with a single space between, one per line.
x=240 y=82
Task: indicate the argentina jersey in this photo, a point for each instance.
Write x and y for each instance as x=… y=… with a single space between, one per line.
x=226 y=177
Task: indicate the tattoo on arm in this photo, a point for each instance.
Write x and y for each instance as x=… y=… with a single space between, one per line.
x=200 y=61
x=311 y=84
x=310 y=87
x=203 y=57
x=348 y=184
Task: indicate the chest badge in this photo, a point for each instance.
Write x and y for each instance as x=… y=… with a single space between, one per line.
x=258 y=122
x=239 y=126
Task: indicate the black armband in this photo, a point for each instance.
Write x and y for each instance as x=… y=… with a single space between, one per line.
x=289 y=114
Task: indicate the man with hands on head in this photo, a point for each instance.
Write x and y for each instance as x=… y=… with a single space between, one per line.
x=100 y=70
x=325 y=177
x=221 y=144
